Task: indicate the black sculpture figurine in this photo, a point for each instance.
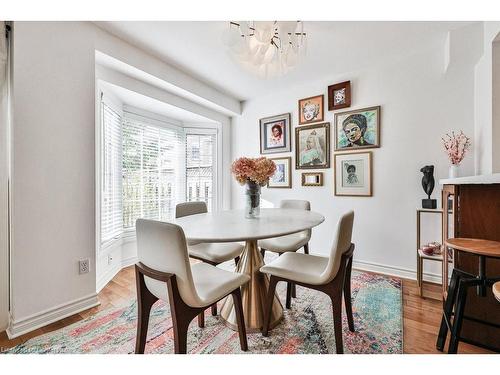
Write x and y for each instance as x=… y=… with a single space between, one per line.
x=428 y=185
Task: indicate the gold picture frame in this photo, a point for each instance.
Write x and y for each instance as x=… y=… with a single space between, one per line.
x=312 y=146
x=353 y=175
x=284 y=179
x=312 y=179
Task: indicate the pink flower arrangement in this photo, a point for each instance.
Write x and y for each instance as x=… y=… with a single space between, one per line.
x=257 y=170
x=456 y=146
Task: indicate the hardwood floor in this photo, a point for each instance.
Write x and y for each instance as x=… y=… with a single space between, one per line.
x=421 y=315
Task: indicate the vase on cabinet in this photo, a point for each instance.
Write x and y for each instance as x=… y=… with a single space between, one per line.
x=454 y=171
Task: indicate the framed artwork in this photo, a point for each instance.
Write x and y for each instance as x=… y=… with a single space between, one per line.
x=312 y=146
x=311 y=110
x=312 y=179
x=353 y=174
x=282 y=178
x=339 y=96
x=275 y=134
x=357 y=129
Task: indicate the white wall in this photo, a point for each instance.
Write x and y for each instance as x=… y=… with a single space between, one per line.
x=420 y=103
x=483 y=102
x=495 y=123
x=53 y=200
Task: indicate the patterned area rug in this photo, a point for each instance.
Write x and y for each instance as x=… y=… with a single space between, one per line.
x=306 y=328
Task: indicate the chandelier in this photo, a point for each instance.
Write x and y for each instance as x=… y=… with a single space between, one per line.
x=266 y=48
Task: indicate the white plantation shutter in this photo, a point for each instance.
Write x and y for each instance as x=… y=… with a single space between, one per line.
x=111 y=178
x=153 y=169
x=200 y=168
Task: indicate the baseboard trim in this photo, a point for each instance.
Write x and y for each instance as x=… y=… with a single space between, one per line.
x=404 y=273
x=18 y=328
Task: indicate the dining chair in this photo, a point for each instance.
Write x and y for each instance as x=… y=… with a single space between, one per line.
x=330 y=275
x=211 y=253
x=164 y=272
x=289 y=243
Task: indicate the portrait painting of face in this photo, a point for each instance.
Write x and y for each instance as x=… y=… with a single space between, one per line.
x=275 y=134
x=353 y=174
x=312 y=146
x=311 y=110
x=339 y=95
x=357 y=129
x=282 y=175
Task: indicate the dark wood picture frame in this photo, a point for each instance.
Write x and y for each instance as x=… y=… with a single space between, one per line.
x=322 y=110
x=337 y=169
x=299 y=129
x=376 y=108
x=289 y=163
x=287 y=133
x=331 y=92
x=319 y=176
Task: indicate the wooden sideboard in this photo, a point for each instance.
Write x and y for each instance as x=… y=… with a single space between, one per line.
x=475 y=214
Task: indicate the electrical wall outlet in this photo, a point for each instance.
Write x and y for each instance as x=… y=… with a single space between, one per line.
x=84 y=266
x=110 y=259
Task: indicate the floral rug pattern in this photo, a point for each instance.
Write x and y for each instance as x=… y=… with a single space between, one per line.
x=306 y=328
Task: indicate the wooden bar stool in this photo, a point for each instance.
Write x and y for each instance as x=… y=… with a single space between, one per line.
x=459 y=284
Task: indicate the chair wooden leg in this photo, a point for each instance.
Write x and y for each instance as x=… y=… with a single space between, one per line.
x=180 y=337
x=201 y=319
x=288 y=295
x=145 y=300
x=337 y=321
x=269 y=305
x=306 y=248
x=214 y=309
x=347 y=295
x=240 y=319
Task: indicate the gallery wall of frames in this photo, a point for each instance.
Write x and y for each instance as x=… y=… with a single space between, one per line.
x=354 y=130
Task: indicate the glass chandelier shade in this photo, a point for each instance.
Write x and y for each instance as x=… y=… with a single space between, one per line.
x=266 y=48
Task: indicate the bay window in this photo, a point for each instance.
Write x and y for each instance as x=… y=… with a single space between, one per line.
x=148 y=166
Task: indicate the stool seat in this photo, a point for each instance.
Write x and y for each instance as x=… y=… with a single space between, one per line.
x=496 y=290
x=475 y=246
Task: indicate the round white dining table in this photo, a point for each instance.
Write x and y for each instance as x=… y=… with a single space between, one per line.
x=232 y=226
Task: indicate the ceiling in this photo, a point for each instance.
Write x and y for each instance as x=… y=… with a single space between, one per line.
x=334 y=48
x=146 y=103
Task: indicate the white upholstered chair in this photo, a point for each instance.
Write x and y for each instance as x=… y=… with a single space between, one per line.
x=211 y=253
x=331 y=275
x=289 y=243
x=164 y=265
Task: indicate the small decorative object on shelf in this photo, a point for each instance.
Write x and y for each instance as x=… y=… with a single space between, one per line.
x=428 y=185
x=433 y=248
x=456 y=147
x=254 y=173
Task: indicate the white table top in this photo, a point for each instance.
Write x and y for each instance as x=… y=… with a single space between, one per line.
x=231 y=225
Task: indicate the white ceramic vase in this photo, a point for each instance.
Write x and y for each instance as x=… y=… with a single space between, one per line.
x=454 y=171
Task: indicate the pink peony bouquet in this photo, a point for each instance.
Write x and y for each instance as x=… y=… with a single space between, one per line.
x=456 y=146
x=257 y=170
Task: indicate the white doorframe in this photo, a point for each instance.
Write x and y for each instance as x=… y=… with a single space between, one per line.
x=4 y=200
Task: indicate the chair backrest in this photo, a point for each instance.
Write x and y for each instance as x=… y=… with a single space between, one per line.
x=341 y=243
x=299 y=205
x=190 y=208
x=296 y=203
x=162 y=247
